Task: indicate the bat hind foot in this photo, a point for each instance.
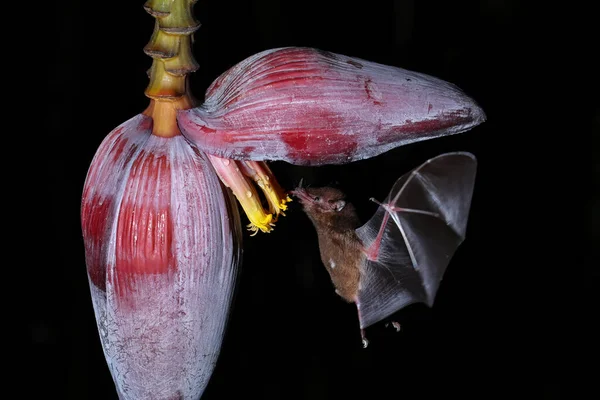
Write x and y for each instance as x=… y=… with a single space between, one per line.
x=365 y=341
x=395 y=324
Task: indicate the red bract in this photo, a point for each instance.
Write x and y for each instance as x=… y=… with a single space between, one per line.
x=160 y=241
x=312 y=107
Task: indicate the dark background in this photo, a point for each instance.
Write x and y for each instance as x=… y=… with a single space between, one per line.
x=497 y=327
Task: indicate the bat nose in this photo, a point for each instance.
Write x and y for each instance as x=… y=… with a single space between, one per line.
x=301 y=194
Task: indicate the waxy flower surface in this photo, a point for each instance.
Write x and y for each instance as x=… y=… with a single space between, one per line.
x=160 y=239
x=313 y=107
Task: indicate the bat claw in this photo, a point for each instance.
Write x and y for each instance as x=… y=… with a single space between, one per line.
x=374 y=200
x=396 y=325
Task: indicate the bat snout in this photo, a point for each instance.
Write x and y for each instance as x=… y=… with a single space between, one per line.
x=302 y=195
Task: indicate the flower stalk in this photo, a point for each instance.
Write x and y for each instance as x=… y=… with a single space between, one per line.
x=171 y=50
x=172 y=60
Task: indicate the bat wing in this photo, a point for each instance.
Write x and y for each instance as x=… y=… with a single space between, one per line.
x=413 y=235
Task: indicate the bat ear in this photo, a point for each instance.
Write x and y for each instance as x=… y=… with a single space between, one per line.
x=339 y=205
x=302 y=185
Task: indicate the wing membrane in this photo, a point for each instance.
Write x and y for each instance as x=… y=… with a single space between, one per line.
x=414 y=234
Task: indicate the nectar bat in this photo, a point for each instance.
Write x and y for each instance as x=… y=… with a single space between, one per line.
x=399 y=256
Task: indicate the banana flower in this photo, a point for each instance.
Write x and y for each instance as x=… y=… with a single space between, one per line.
x=160 y=224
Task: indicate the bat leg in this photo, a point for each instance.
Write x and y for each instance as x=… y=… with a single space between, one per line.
x=373 y=250
x=365 y=341
x=363 y=336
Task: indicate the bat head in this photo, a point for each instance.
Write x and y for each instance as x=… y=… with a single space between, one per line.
x=320 y=200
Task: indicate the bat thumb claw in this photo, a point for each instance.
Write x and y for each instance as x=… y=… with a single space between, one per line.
x=374 y=200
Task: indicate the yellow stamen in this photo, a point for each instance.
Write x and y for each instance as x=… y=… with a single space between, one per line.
x=234 y=174
x=264 y=178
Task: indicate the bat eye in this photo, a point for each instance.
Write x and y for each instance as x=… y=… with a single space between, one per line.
x=317 y=198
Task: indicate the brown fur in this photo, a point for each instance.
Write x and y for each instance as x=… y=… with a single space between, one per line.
x=338 y=243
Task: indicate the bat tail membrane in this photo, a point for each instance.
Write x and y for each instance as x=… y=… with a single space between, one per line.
x=414 y=234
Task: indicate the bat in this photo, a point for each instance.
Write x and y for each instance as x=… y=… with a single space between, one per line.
x=399 y=256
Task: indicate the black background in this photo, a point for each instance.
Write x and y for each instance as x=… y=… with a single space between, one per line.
x=497 y=326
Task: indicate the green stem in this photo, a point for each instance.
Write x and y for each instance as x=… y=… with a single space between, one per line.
x=171 y=48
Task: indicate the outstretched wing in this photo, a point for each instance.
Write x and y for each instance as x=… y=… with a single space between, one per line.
x=413 y=235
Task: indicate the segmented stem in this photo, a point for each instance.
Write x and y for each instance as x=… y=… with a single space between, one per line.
x=171 y=50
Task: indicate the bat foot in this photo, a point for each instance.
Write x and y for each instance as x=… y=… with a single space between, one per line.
x=395 y=324
x=365 y=341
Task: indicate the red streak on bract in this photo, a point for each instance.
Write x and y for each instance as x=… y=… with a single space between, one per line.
x=319 y=144
x=145 y=229
x=96 y=213
x=411 y=128
x=248 y=149
x=97 y=205
x=326 y=146
x=117 y=151
x=204 y=130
